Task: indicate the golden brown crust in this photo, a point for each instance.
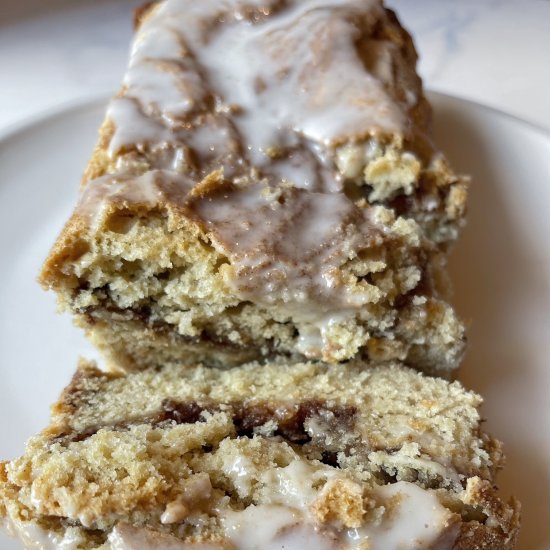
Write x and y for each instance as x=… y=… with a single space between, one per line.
x=142 y=12
x=505 y=517
x=476 y=536
x=100 y=161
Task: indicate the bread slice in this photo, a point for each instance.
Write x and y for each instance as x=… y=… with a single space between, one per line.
x=265 y=184
x=281 y=455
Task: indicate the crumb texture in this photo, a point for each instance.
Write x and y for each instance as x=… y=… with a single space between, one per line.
x=205 y=456
x=216 y=213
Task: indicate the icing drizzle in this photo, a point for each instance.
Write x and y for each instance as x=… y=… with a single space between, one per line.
x=262 y=87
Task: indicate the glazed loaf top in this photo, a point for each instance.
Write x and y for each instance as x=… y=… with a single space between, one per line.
x=272 y=85
x=312 y=94
x=291 y=136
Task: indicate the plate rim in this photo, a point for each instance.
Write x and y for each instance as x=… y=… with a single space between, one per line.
x=11 y=130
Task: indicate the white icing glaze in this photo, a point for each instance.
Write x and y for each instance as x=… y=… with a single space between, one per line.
x=282 y=78
x=126 y=537
x=414 y=520
x=287 y=248
x=272 y=527
x=315 y=333
x=293 y=485
x=151 y=188
x=239 y=471
x=140 y=131
x=287 y=245
x=175 y=512
x=35 y=537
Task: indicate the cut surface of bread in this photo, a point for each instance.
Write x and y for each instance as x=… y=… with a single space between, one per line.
x=284 y=455
x=265 y=184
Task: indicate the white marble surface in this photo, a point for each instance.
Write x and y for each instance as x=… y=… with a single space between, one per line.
x=492 y=51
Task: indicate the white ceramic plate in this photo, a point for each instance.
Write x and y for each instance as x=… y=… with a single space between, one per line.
x=501 y=272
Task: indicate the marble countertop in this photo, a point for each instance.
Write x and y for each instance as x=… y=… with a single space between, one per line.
x=493 y=51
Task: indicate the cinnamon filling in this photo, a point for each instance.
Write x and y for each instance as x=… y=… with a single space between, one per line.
x=290 y=419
